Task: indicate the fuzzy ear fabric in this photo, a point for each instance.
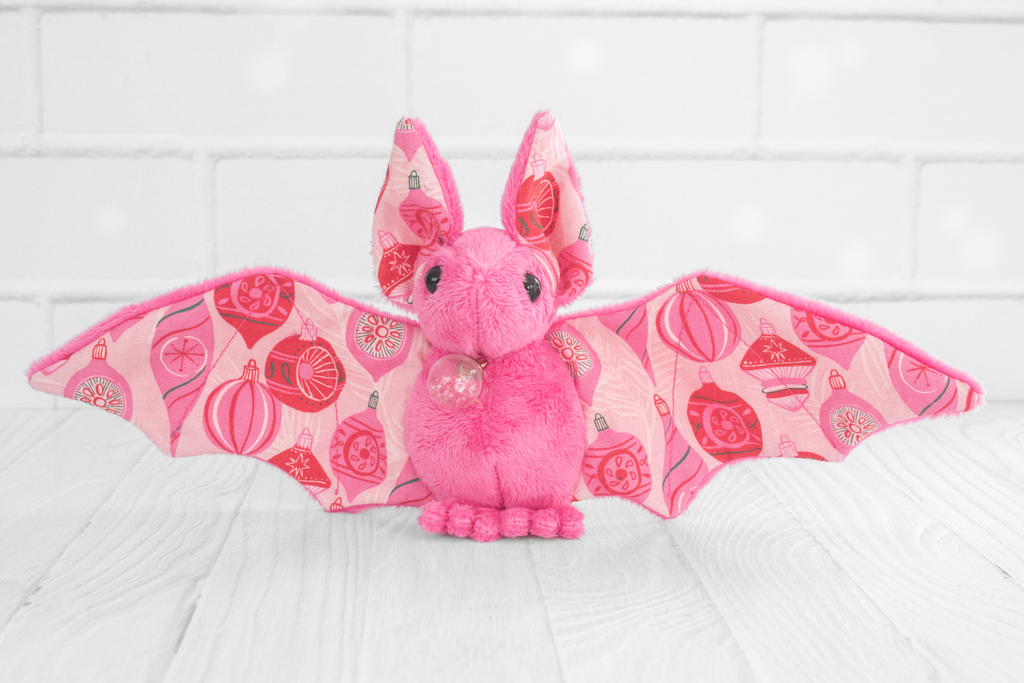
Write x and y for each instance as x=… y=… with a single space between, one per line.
x=542 y=207
x=418 y=210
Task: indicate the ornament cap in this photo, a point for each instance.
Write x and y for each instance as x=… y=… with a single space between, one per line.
x=404 y=123
x=305 y=441
x=787 y=448
x=309 y=331
x=688 y=286
x=99 y=352
x=538 y=164
x=251 y=373
x=767 y=328
x=414 y=181
x=836 y=380
x=600 y=422
x=387 y=240
x=585 y=233
x=705 y=376
x=372 y=403
x=660 y=404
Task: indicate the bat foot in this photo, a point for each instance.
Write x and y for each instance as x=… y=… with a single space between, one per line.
x=484 y=524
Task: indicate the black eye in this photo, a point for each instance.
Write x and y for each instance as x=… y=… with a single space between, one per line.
x=433 y=279
x=532 y=285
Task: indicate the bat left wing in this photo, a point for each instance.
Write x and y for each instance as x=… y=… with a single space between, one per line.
x=264 y=363
x=711 y=370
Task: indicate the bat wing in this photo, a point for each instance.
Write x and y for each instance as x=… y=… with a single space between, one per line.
x=711 y=370
x=264 y=363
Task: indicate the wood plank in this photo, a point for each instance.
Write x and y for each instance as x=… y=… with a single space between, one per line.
x=939 y=591
x=115 y=603
x=58 y=469
x=796 y=613
x=967 y=473
x=299 y=594
x=21 y=430
x=625 y=603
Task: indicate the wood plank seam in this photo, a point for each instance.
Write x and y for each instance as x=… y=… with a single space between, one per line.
x=547 y=611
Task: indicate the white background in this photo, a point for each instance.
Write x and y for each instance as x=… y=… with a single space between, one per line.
x=871 y=154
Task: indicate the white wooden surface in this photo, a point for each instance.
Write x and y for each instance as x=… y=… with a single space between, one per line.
x=904 y=563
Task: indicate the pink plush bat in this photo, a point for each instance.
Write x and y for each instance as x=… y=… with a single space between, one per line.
x=490 y=413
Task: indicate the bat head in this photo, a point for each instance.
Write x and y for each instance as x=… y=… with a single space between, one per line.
x=484 y=292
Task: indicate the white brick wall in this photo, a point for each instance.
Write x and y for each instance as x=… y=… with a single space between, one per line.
x=869 y=153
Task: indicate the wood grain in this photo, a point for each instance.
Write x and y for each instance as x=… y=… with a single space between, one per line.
x=903 y=563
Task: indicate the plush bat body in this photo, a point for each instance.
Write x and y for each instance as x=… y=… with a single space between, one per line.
x=644 y=400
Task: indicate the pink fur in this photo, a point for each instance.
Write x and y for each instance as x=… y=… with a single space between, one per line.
x=521 y=444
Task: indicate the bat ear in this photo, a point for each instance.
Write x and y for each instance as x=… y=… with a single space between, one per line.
x=542 y=207
x=418 y=210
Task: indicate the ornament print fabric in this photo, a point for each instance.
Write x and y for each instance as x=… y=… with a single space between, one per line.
x=748 y=373
x=704 y=372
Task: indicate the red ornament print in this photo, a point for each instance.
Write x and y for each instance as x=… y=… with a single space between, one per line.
x=828 y=338
x=299 y=462
x=241 y=415
x=575 y=352
x=358 y=453
x=537 y=204
x=684 y=468
x=616 y=465
x=256 y=305
x=396 y=265
x=725 y=425
x=780 y=366
x=101 y=386
x=697 y=325
x=303 y=371
x=925 y=390
x=787 y=449
x=378 y=343
x=727 y=291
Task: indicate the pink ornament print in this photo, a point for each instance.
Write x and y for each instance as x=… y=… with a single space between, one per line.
x=616 y=465
x=574 y=267
x=407 y=139
x=378 y=343
x=631 y=326
x=304 y=372
x=380 y=195
x=358 y=453
x=684 y=468
x=241 y=415
x=256 y=305
x=697 y=325
x=828 y=338
x=537 y=204
x=426 y=217
x=300 y=463
x=101 y=386
x=180 y=358
x=725 y=425
x=410 y=489
x=925 y=390
x=575 y=352
x=847 y=419
x=780 y=366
